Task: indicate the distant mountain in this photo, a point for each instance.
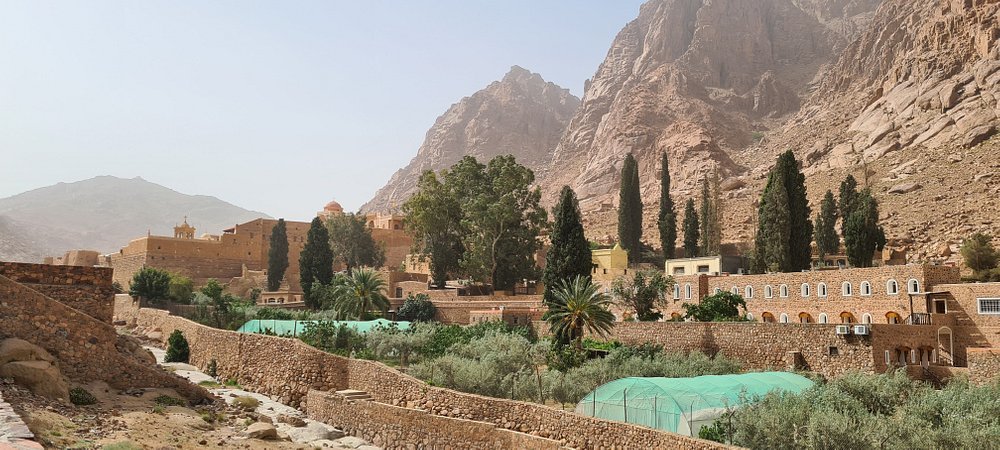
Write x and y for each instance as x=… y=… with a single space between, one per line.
x=521 y=115
x=103 y=214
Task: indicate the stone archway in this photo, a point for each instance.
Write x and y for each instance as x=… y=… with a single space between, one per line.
x=945 y=347
x=847 y=317
x=805 y=317
x=893 y=317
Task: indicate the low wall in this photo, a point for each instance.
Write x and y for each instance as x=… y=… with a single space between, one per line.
x=984 y=365
x=87 y=349
x=287 y=369
x=87 y=289
x=394 y=427
x=454 y=309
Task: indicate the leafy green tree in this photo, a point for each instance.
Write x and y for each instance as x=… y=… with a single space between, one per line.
x=177 y=348
x=315 y=260
x=642 y=293
x=150 y=284
x=434 y=218
x=667 y=220
x=579 y=306
x=213 y=290
x=352 y=243
x=721 y=307
x=848 y=196
x=502 y=217
x=361 y=292
x=277 y=255
x=630 y=210
x=772 y=252
x=827 y=241
x=691 y=232
x=417 y=308
x=979 y=254
x=863 y=236
x=569 y=256
x=181 y=288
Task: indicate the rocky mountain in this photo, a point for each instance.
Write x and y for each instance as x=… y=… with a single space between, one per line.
x=103 y=214
x=522 y=115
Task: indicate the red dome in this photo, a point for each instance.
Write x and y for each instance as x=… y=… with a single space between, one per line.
x=333 y=206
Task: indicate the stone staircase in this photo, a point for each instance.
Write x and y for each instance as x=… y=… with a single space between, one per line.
x=352 y=395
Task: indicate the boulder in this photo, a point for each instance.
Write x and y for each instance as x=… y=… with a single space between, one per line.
x=261 y=430
x=41 y=377
x=313 y=431
x=977 y=135
x=291 y=420
x=14 y=349
x=733 y=184
x=904 y=188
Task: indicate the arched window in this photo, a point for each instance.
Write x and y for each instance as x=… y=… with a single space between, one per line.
x=823 y=318
x=717 y=290
x=891 y=287
x=892 y=317
x=805 y=289
x=735 y=290
x=748 y=291
x=866 y=288
x=677 y=291
x=768 y=291
x=784 y=318
x=783 y=290
x=913 y=286
x=867 y=318
x=767 y=317
x=805 y=317
x=821 y=289
x=750 y=317
x=846 y=289
x=687 y=291
x=847 y=317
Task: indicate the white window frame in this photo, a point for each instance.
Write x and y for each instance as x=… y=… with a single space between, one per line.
x=846 y=289
x=687 y=291
x=821 y=290
x=735 y=290
x=910 y=283
x=783 y=318
x=866 y=319
x=894 y=290
x=864 y=285
x=750 y=316
x=783 y=291
x=768 y=291
x=823 y=318
x=677 y=291
x=993 y=309
x=806 y=290
x=748 y=291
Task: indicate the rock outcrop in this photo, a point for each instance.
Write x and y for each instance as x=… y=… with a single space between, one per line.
x=522 y=115
x=32 y=367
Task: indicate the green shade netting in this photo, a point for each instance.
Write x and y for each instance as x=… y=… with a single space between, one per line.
x=296 y=327
x=683 y=405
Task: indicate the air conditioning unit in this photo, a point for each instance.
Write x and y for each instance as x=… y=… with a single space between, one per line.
x=843 y=329
x=862 y=330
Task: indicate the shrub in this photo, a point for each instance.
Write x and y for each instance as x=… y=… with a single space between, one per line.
x=166 y=400
x=125 y=445
x=721 y=307
x=416 y=308
x=246 y=403
x=80 y=397
x=274 y=314
x=150 y=284
x=177 y=348
x=212 y=369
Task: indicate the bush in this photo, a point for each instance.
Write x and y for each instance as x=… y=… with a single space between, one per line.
x=416 y=308
x=212 y=369
x=80 y=397
x=166 y=400
x=334 y=338
x=177 y=348
x=150 y=284
x=721 y=307
x=274 y=314
x=246 y=403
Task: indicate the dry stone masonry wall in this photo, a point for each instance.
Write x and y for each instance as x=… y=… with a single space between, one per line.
x=86 y=289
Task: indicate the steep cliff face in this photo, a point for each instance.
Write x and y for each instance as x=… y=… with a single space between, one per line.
x=697 y=80
x=522 y=115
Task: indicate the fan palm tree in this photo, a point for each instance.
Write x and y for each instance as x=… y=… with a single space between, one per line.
x=578 y=306
x=359 y=293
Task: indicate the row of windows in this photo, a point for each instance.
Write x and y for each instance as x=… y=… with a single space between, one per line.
x=846 y=289
x=845 y=317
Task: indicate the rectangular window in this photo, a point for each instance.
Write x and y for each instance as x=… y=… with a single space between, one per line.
x=702 y=269
x=988 y=305
x=678 y=271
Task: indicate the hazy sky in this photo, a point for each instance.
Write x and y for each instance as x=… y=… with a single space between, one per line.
x=275 y=106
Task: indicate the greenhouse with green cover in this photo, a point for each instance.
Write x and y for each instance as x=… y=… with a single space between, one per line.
x=683 y=405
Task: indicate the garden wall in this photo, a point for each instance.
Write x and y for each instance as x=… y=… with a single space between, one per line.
x=87 y=289
x=984 y=365
x=287 y=369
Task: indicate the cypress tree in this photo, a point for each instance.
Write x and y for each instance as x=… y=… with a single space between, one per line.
x=772 y=247
x=827 y=241
x=863 y=236
x=569 y=255
x=667 y=220
x=705 y=218
x=316 y=260
x=799 y=213
x=277 y=256
x=690 y=230
x=630 y=210
x=715 y=240
x=848 y=195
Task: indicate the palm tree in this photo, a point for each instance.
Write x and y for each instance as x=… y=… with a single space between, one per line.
x=577 y=307
x=359 y=293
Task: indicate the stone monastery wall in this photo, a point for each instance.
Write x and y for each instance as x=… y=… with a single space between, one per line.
x=86 y=289
x=457 y=309
x=288 y=370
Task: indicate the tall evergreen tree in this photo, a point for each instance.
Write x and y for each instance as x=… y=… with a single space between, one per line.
x=630 y=210
x=315 y=260
x=277 y=255
x=827 y=241
x=715 y=240
x=799 y=214
x=667 y=220
x=863 y=236
x=772 y=246
x=691 y=230
x=705 y=218
x=569 y=255
x=848 y=195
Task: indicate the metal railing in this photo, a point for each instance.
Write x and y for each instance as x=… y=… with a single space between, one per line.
x=919 y=319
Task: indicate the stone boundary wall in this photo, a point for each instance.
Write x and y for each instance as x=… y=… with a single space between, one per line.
x=984 y=365
x=458 y=311
x=87 y=289
x=398 y=428
x=87 y=349
x=288 y=369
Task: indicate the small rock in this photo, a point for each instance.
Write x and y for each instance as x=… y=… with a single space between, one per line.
x=904 y=188
x=291 y=420
x=955 y=157
x=981 y=176
x=261 y=430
